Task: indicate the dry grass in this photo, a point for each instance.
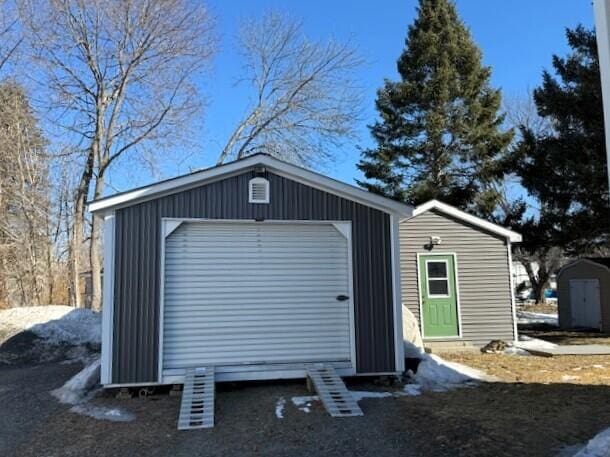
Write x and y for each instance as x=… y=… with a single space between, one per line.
x=545 y=370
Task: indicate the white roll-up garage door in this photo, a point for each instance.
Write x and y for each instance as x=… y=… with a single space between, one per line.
x=255 y=293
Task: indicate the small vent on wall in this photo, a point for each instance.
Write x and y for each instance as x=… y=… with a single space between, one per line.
x=258 y=190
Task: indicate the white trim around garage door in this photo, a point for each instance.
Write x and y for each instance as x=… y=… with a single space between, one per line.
x=107 y=299
x=271 y=371
x=399 y=347
x=457 y=297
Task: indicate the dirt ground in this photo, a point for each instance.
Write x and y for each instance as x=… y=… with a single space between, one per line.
x=545 y=308
x=500 y=419
x=590 y=370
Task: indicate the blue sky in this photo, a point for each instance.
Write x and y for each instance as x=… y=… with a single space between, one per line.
x=517 y=37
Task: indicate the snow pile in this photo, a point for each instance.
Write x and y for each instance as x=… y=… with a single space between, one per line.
x=56 y=324
x=527 y=318
x=75 y=390
x=79 y=389
x=434 y=373
x=599 y=446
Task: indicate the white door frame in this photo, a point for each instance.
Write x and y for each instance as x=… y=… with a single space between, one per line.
x=457 y=296
x=169 y=224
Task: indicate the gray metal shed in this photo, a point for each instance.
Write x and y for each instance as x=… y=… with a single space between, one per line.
x=583 y=294
x=257 y=268
x=456 y=276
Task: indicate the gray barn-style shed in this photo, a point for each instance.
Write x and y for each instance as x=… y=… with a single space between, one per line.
x=256 y=267
x=456 y=276
x=583 y=294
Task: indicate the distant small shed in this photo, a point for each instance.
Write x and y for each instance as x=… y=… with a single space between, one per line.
x=583 y=293
x=456 y=271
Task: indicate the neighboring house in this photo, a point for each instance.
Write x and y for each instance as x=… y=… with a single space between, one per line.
x=256 y=267
x=456 y=276
x=584 y=294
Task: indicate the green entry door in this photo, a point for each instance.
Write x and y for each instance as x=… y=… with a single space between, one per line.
x=439 y=295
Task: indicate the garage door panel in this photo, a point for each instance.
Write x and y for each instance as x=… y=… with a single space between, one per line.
x=255 y=293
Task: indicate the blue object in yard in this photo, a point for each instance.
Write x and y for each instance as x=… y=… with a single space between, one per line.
x=550 y=293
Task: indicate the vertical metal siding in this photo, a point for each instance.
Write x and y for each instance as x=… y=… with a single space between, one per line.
x=138 y=241
x=482 y=267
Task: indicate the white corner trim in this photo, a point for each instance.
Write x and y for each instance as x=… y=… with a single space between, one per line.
x=107 y=299
x=169 y=226
x=285 y=169
x=344 y=228
x=512 y=290
x=464 y=216
x=601 y=9
x=399 y=347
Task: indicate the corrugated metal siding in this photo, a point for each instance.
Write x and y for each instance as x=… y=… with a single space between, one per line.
x=138 y=241
x=483 y=273
x=255 y=293
x=583 y=270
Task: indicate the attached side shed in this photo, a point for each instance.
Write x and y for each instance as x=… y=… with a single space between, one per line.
x=458 y=269
x=583 y=294
x=256 y=267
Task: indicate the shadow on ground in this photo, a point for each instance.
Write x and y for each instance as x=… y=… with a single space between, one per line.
x=559 y=336
x=498 y=419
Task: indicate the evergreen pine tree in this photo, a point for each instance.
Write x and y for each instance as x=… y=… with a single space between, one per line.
x=564 y=168
x=439 y=131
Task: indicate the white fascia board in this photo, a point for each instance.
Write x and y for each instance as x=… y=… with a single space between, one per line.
x=282 y=168
x=602 y=32
x=513 y=237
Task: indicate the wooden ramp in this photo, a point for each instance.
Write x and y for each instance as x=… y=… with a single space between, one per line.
x=335 y=397
x=574 y=349
x=197 y=407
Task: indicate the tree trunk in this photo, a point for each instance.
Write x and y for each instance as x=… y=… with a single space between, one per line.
x=94 y=252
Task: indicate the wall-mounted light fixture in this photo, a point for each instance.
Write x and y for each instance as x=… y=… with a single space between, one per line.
x=435 y=240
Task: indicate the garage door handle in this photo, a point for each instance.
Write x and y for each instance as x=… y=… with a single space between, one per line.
x=342 y=297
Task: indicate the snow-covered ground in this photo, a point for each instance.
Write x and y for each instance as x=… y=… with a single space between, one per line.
x=81 y=388
x=525 y=317
x=599 y=446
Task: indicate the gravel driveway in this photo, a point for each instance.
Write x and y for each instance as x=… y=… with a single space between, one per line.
x=500 y=419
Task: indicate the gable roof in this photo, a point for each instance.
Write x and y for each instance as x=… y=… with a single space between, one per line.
x=274 y=165
x=466 y=217
x=603 y=262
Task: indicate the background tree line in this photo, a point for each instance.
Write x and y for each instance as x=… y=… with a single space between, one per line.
x=442 y=134
x=93 y=88
x=96 y=87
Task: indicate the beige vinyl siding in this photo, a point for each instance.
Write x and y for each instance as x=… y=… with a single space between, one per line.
x=482 y=268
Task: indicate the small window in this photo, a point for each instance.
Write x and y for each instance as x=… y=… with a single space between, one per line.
x=258 y=190
x=438 y=280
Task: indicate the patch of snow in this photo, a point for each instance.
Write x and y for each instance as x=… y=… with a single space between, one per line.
x=361 y=394
x=526 y=342
x=279 y=408
x=79 y=389
x=512 y=350
x=412 y=389
x=75 y=390
x=436 y=374
x=599 y=446
x=303 y=403
x=598 y=366
x=567 y=377
x=525 y=317
x=102 y=413
x=55 y=323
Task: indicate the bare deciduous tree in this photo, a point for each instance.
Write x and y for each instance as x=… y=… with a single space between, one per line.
x=120 y=78
x=25 y=248
x=304 y=95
